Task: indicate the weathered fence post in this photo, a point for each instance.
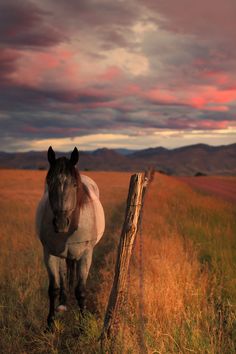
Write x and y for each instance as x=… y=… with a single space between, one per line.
x=138 y=184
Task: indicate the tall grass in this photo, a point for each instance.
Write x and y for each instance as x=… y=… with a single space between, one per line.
x=189 y=256
x=191 y=270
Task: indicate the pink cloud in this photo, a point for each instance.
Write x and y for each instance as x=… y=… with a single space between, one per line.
x=209 y=124
x=52 y=69
x=219 y=78
x=161 y=96
x=206 y=96
x=196 y=124
x=200 y=97
x=133 y=89
x=110 y=74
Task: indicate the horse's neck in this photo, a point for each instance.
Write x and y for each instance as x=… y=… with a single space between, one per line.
x=82 y=198
x=82 y=192
x=83 y=195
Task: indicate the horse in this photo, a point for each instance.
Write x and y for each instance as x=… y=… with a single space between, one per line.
x=69 y=223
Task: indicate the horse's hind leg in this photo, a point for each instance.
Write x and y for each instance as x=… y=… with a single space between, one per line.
x=83 y=266
x=52 y=264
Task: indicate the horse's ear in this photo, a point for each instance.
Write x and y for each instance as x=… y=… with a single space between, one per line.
x=51 y=156
x=74 y=158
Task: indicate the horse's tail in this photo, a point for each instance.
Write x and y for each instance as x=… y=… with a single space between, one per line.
x=71 y=274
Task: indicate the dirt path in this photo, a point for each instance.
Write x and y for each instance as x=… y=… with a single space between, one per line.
x=223 y=187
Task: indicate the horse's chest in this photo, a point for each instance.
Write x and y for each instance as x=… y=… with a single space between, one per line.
x=70 y=246
x=63 y=246
x=90 y=229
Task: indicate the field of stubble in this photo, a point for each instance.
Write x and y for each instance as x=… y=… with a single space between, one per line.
x=189 y=275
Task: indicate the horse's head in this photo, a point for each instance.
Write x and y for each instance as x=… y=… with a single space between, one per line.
x=62 y=180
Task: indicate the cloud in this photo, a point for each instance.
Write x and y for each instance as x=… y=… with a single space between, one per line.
x=202 y=97
x=81 y=68
x=8 y=60
x=208 y=18
x=26 y=24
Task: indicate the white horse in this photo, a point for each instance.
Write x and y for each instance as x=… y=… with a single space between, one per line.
x=69 y=222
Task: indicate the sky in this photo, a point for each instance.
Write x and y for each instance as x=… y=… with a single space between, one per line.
x=124 y=73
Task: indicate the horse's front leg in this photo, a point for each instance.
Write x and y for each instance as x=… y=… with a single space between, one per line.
x=83 y=266
x=53 y=265
x=63 y=286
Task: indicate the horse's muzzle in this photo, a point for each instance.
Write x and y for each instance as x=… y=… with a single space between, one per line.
x=61 y=223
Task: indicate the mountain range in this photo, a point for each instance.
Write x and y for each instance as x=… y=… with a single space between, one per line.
x=187 y=160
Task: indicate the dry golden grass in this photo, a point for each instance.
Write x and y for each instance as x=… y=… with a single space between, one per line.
x=189 y=259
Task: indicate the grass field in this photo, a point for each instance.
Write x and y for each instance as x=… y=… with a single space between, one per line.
x=223 y=187
x=189 y=272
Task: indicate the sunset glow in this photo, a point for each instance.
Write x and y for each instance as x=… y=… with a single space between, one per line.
x=116 y=74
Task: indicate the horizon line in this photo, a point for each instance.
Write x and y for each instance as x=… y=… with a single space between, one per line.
x=121 y=148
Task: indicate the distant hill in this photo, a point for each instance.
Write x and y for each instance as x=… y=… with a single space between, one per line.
x=124 y=151
x=187 y=160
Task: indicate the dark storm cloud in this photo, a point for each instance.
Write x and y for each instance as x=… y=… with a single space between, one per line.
x=15 y=97
x=99 y=14
x=111 y=21
x=53 y=125
x=218 y=116
x=30 y=112
x=22 y=23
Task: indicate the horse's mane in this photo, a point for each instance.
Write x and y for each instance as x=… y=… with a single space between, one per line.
x=82 y=191
x=82 y=198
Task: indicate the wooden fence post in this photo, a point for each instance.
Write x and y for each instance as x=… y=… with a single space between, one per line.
x=138 y=184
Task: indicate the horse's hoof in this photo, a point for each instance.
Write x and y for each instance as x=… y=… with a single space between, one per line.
x=49 y=329
x=51 y=325
x=61 y=308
